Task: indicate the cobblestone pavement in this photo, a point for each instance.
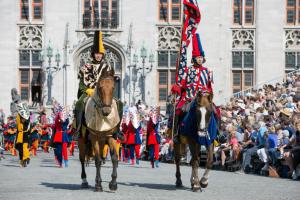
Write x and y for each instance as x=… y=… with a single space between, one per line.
x=43 y=180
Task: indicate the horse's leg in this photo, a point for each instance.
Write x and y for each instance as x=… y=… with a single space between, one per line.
x=209 y=164
x=98 y=180
x=98 y=148
x=81 y=147
x=114 y=158
x=194 y=149
x=177 y=162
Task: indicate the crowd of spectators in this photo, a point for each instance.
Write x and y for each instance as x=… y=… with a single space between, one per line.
x=263 y=124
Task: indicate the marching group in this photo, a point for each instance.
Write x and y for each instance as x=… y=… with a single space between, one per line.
x=24 y=133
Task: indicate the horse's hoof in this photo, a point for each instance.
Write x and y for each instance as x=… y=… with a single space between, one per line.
x=179 y=184
x=84 y=185
x=98 y=188
x=113 y=186
x=196 y=188
x=203 y=185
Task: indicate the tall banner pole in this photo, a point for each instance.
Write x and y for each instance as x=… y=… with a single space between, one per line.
x=190 y=19
x=177 y=66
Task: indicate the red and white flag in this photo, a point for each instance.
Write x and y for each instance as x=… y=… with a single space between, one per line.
x=191 y=19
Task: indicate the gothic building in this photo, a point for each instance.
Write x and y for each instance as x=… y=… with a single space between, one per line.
x=247 y=43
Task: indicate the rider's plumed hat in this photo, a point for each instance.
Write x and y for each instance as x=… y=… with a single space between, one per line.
x=98 y=46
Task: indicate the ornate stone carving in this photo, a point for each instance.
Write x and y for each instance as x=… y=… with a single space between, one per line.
x=31 y=37
x=243 y=39
x=292 y=39
x=113 y=58
x=85 y=57
x=169 y=38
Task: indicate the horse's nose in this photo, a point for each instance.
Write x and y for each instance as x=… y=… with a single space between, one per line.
x=106 y=110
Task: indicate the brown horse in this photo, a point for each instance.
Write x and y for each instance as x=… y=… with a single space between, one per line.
x=101 y=120
x=203 y=111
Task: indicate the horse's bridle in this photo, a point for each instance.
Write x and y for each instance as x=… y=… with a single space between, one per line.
x=206 y=128
x=100 y=104
x=203 y=130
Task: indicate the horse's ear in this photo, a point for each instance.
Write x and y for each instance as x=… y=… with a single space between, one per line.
x=199 y=94
x=111 y=72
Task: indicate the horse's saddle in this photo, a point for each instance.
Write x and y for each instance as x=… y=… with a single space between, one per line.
x=96 y=121
x=188 y=127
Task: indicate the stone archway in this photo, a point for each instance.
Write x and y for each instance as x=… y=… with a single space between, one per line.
x=115 y=55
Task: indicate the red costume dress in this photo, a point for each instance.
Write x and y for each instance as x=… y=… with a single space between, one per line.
x=153 y=138
x=61 y=140
x=124 y=142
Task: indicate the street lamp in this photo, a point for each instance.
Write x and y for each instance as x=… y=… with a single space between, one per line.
x=135 y=59
x=143 y=53
x=50 y=70
x=132 y=76
x=144 y=70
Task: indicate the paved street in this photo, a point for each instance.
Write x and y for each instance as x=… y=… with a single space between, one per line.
x=43 y=180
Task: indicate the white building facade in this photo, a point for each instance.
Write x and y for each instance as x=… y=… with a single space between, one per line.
x=246 y=42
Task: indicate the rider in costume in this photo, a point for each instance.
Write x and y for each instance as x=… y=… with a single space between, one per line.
x=88 y=76
x=196 y=78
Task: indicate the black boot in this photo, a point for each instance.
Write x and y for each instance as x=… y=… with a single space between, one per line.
x=78 y=116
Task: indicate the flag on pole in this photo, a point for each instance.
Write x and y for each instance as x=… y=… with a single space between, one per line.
x=191 y=19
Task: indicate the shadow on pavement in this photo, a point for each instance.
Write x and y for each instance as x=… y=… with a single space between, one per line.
x=154 y=186
x=48 y=160
x=63 y=186
x=135 y=166
x=7 y=165
x=53 y=166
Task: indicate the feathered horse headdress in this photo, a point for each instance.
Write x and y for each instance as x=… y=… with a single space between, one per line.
x=23 y=110
x=60 y=110
x=154 y=114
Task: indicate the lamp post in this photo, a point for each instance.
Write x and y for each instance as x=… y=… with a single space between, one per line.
x=132 y=78
x=144 y=69
x=50 y=70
